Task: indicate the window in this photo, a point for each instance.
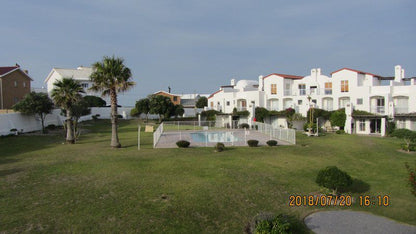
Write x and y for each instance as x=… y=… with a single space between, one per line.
x=360 y=81
x=314 y=101
x=273 y=89
x=212 y=105
x=228 y=103
x=401 y=124
x=24 y=84
x=361 y=125
x=84 y=85
x=302 y=89
x=328 y=88
x=299 y=102
x=288 y=89
x=359 y=101
x=15 y=83
x=243 y=103
x=313 y=89
x=344 y=86
x=16 y=100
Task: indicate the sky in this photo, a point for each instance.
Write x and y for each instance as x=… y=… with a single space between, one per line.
x=197 y=46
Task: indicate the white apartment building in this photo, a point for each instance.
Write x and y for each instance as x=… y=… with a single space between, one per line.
x=80 y=74
x=386 y=97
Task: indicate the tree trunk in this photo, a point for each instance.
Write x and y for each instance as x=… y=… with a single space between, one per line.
x=114 y=120
x=42 y=119
x=69 y=132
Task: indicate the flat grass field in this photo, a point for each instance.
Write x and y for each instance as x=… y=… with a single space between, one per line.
x=48 y=186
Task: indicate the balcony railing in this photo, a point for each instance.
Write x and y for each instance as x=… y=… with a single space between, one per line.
x=401 y=110
x=241 y=108
x=378 y=109
x=287 y=92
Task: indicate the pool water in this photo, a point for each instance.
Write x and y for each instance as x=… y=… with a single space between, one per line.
x=213 y=137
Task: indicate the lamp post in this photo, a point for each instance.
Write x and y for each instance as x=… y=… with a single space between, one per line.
x=310 y=116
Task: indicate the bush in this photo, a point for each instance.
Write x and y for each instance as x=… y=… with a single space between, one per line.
x=219 y=147
x=119 y=116
x=253 y=143
x=271 y=143
x=333 y=178
x=338 y=118
x=95 y=117
x=244 y=125
x=408 y=147
x=403 y=133
x=266 y=223
x=340 y=132
x=183 y=144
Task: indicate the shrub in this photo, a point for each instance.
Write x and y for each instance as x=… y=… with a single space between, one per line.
x=253 y=143
x=408 y=147
x=271 y=143
x=266 y=223
x=408 y=136
x=119 y=116
x=219 y=147
x=13 y=130
x=183 y=144
x=340 y=132
x=261 y=113
x=244 y=125
x=95 y=117
x=338 y=118
x=333 y=178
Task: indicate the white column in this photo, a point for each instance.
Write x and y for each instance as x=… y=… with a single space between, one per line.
x=383 y=127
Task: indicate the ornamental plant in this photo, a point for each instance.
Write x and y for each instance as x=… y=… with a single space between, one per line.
x=271 y=143
x=253 y=143
x=333 y=178
x=183 y=144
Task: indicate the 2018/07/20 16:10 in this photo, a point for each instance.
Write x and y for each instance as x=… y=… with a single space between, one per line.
x=366 y=200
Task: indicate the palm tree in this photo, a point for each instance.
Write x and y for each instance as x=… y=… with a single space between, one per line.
x=110 y=76
x=66 y=93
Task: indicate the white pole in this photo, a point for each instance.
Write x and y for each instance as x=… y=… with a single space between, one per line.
x=138 y=137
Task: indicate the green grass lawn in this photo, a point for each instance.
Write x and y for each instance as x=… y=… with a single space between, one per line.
x=48 y=186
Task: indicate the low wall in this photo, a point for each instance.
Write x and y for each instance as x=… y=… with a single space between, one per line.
x=29 y=123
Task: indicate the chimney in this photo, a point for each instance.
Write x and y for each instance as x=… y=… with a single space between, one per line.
x=17 y=65
x=313 y=73
x=26 y=71
x=318 y=72
x=233 y=82
x=261 y=83
x=398 y=73
x=168 y=89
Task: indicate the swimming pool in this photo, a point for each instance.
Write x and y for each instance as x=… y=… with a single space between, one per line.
x=213 y=137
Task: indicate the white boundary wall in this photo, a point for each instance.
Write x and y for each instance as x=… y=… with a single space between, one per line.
x=29 y=123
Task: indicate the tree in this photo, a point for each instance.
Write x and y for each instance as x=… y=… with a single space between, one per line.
x=161 y=106
x=35 y=104
x=333 y=178
x=110 y=77
x=202 y=102
x=78 y=109
x=179 y=111
x=338 y=118
x=142 y=106
x=66 y=94
x=94 y=101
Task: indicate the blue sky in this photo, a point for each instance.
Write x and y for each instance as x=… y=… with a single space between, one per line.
x=196 y=46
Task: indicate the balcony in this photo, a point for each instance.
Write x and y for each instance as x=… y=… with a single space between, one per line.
x=241 y=108
x=288 y=92
x=378 y=110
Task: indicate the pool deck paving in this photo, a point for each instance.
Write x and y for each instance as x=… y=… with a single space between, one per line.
x=169 y=139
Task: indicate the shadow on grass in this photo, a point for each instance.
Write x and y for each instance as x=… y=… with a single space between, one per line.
x=9 y=172
x=357 y=186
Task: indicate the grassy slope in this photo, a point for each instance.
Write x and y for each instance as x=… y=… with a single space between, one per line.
x=87 y=187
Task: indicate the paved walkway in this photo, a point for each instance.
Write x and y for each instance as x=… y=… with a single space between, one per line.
x=169 y=139
x=343 y=222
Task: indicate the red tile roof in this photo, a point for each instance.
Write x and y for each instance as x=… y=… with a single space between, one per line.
x=210 y=96
x=359 y=72
x=4 y=70
x=284 y=76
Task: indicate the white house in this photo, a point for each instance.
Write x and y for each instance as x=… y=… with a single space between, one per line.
x=385 y=97
x=80 y=74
